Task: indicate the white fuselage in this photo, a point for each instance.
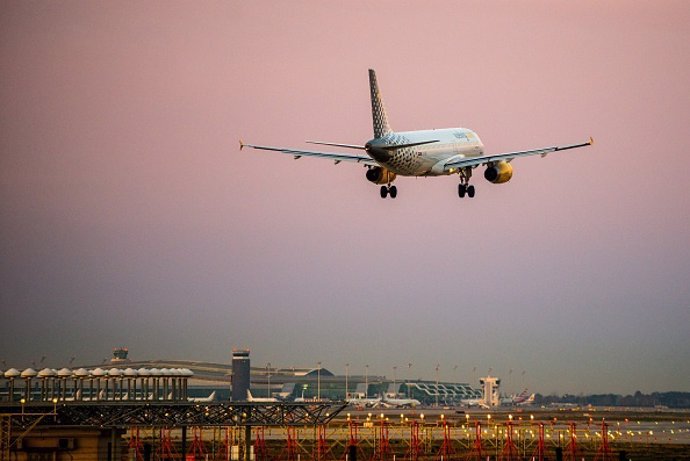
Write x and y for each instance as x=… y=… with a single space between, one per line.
x=427 y=159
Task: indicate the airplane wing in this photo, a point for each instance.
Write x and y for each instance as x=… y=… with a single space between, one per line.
x=508 y=156
x=337 y=158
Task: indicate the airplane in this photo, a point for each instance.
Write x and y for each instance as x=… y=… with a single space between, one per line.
x=521 y=399
x=438 y=152
x=474 y=403
x=286 y=391
x=400 y=403
x=390 y=399
x=361 y=398
x=528 y=400
x=253 y=399
x=211 y=398
x=362 y=402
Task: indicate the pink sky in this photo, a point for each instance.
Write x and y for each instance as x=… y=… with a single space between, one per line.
x=129 y=216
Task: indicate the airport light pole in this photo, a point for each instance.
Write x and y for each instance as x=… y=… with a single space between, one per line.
x=456 y=379
x=347 y=375
x=409 y=388
x=366 y=381
x=268 y=375
x=437 y=367
x=395 y=381
x=318 y=382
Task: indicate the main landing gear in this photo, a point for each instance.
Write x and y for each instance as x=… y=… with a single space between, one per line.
x=465 y=189
x=389 y=190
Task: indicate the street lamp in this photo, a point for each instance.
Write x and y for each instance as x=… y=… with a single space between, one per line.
x=318 y=382
x=347 y=375
x=454 y=400
x=268 y=375
x=366 y=381
x=409 y=388
x=437 y=390
x=395 y=382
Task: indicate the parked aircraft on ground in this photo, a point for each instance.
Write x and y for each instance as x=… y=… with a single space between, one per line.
x=400 y=403
x=251 y=398
x=211 y=398
x=521 y=399
x=361 y=402
x=474 y=403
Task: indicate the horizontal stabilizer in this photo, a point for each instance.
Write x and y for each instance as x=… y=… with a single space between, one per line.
x=402 y=146
x=335 y=144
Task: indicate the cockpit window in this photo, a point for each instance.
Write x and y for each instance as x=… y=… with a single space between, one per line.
x=461 y=135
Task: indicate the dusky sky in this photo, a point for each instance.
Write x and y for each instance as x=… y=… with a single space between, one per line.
x=130 y=217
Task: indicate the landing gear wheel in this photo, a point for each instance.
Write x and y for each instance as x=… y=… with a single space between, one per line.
x=384 y=191
x=393 y=191
x=470 y=191
x=462 y=190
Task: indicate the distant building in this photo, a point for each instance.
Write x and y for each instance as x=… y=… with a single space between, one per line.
x=241 y=374
x=293 y=382
x=429 y=392
x=119 y=355
x=491 y=393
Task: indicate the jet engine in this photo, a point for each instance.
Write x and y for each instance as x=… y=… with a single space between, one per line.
x=380 y=175
x=499 y=172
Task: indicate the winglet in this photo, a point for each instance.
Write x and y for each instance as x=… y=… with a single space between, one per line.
x=591 y=140
x=241 y=144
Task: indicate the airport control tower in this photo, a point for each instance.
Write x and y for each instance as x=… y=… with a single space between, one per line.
x=240 y=374
x=119 y=355
x=490 y=388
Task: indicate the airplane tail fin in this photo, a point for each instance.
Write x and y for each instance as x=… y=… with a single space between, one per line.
x=378 y=111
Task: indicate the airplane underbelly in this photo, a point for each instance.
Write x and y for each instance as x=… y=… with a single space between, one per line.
x=408 y=162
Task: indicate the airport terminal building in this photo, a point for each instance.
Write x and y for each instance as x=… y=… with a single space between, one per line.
x=291 y=383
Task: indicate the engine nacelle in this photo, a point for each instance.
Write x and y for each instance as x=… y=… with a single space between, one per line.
x=499 y=173
x=380 y=175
